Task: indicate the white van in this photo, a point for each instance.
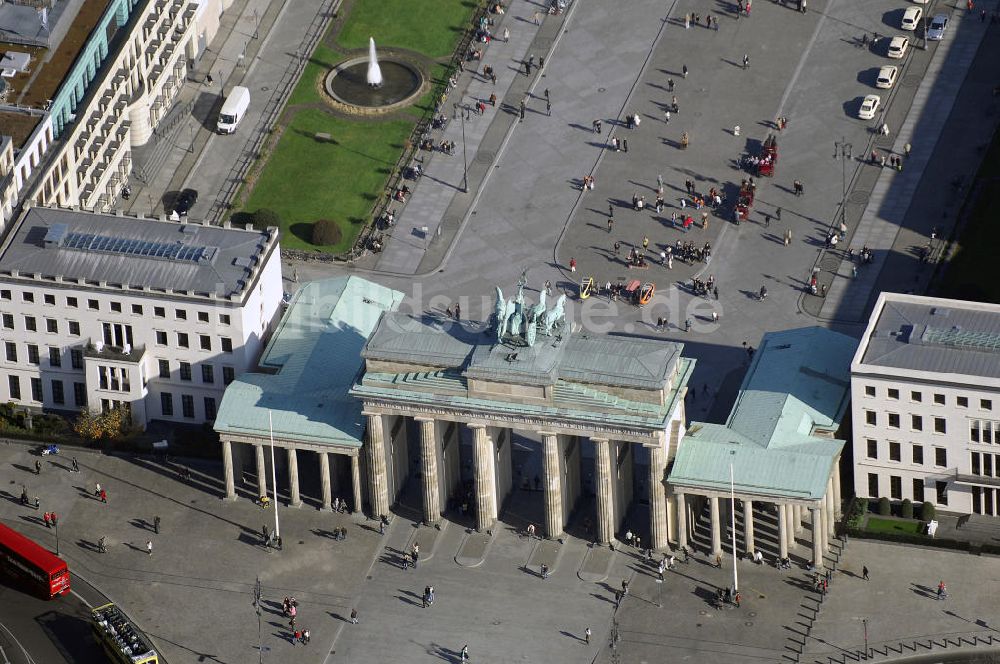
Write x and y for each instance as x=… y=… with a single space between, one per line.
x=233 y=110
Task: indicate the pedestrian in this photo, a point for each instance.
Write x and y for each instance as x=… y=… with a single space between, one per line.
x=296 y=637
x=465 y=653
x=38 y=467
x=767 y=221
x=777 y=214
x=670 y=85
x=104 y=496
x=354 y=616
x=149 y=547
x=864 y=572
x=572 y=265
x=46 y=517
x=506 y=35
x=76 y=465
x=156 y=524
x=548 y=107
x=718 y=558
x=493 y=99
x=736 y=130
x=586 y=635
x=102 y=545
x=523 y=105
x=906 y=149
x=381 y=522
x=611 y=224
x=208 y=78
x=666 y=117
x=305 y=636
x=746 y=61
x=544 y=571
x=684 y=72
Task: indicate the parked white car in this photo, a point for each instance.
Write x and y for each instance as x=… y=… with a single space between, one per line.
x=938 y=24
x=911 y=18
x=897 y=47
x=887 y=77
x=869 y=106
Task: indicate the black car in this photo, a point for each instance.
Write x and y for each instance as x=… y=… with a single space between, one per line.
x=185 y=201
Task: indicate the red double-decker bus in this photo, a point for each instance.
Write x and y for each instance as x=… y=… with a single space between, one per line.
x=41 y=571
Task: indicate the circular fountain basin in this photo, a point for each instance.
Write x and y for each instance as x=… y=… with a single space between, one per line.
x=347 y=84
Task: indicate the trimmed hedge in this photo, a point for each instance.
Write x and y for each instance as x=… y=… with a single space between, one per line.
x=911 y=539
x=906 y=511
x=927 y=511
x=884 y=506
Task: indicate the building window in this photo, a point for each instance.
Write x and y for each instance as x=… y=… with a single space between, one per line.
x=873 y=485
x=74 y=328
x=14 y=385
x=872 y=448
x=206 y=342
x=916 y=396
x=55 y=357
x=962 y=402
x=202 y=316
x=939 y=425
x=57 y=392
x=72 y=303
x=167 y=404
x=988 y=465
x=49 y=299
x=916 y=422
x=918 y=454
x=80 y=394
x=93 y=304
x=161 y=338
x=180 y=314
x=164 y=369
x=27 y=296
x=29 y=324
x=207 y=373
x=228 y=375
x=5 y=294
x=76 y=358
x=36 y=389
x=918 y=490
x=224 y=319
x=137 y=309
x=209 y=408
x=187 y=405
x=893 y=393
x=893 y=420
x=940 y=456
x=11 y=349
x=895 y=487
x=942 y=492
x=52 y=326
x=986 y=404
x=894 y=452
x=870 y=417
x=227 y=344
x=33 y=354
x=8 y=321
x=116 y=307
x=974 y=431
x=976 y=468
x=939 y=399
x=182 y=339
x=159 y=312
x=987 y=427
x=869 y=390
x=185 y=371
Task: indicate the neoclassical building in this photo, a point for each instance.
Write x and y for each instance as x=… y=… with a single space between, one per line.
x=523 y=370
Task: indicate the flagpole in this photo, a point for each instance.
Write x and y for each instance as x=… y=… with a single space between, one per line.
x=274 y=475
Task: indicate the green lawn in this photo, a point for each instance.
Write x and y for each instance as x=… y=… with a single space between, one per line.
x=969 y=276
x=321 y=61
x=306 y=180
x=429 y=26
x=877 y=525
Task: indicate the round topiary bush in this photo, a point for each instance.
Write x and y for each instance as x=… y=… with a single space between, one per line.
x=264 y=217
x=884 y=506
x=927 y=511
x=907 y=509
x=326 y=232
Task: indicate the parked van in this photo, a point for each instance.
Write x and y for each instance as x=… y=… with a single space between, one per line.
x=233 y=109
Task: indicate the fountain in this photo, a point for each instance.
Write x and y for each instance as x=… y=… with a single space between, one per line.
x=362 y=84
x=374 y=76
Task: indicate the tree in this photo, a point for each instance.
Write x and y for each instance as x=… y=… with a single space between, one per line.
x=265 y=217
x=884 y=506
x=907 y=509
x=325 y=232
x=95 y=426
x=927 y=511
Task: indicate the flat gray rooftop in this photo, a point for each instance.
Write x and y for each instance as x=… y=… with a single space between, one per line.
x=941 y=336
x=129 y=251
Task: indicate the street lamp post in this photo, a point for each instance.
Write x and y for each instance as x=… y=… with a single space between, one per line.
x=864 y=621
x=843 y=150
x=465 y=162
x=274 y=476
x=256 y=23
x=56 y=524
x=732 y=517
x=256 y=607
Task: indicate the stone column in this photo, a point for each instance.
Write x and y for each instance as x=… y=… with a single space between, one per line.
x=356 y=482
x=817 y=536
x=605 y=498
x=485 y=481
x=782 y=531
x=553 y=486
x=293 y=479
x=428 y=462
x=324 y=479
x=823 y=526
x=797 y=512
x=227 y=470
x=748 y=538
x=837 y=498
x=716 y=534
x=790 y=526
x=682 y=529
x=261 y=471
x=379 y=481
x=658 y=498
x=831 y=521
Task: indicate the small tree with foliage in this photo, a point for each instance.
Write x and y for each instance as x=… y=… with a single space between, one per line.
x=326 y=232
x=265 y=217
x=927 y=512
x=95 y=426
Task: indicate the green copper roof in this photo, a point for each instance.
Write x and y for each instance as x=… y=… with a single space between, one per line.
x=314 y=355
x=798 y=386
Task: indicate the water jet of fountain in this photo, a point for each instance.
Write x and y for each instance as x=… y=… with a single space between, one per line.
x=374 y=72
